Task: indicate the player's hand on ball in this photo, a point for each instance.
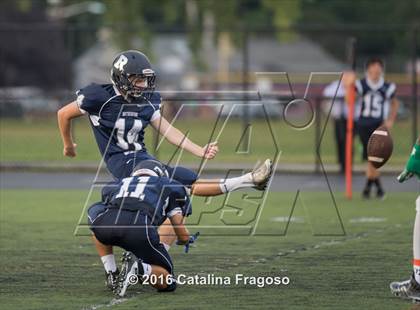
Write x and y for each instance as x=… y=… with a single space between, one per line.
x=210 y=150
x=70 y=151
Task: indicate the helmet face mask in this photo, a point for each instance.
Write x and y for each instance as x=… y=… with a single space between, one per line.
x=131 y=69
x=141 y=84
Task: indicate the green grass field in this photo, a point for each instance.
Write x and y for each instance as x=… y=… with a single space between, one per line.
x=45 y=266
x=39 y=140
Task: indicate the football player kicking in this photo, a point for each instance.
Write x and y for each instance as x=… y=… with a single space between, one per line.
x=128 y=217
x=410 y=289
x=119 y=113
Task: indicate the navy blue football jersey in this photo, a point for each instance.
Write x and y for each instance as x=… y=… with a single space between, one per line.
x=118 y=125
x=374 y=100
x=158 y=197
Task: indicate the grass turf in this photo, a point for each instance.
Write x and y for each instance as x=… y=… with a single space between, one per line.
x=39 y=140
x=44 y=266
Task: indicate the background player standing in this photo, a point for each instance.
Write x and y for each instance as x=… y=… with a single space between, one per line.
x=376 y=106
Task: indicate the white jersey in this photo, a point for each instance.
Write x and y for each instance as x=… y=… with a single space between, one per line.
x=335 y=93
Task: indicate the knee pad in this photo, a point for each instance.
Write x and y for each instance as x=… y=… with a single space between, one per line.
x=418 y=204
x=169 y=288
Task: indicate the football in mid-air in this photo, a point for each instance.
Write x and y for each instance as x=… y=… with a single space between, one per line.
x=380 y=147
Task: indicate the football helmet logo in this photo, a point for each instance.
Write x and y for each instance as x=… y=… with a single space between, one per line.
x=121 y=62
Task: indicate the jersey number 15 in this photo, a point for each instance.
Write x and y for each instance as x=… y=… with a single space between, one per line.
x=372 y=106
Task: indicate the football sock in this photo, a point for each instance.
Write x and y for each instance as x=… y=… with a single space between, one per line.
x=109 y=263
x=377 y=183
x=416 y=243
x=147 y=269
x=369 y=183
x=232 y=184
x=416 y=270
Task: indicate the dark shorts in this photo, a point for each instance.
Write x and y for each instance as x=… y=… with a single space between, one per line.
x=131 y=231
x=121 y=166
x=365 y=130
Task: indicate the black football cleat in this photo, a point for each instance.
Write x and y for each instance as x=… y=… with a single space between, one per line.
x=408 y=289
x=111 y=279
x=366 y=193
x=131 y=273
x=380 y=194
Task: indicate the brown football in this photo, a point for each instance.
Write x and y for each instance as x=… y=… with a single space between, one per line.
x=380 y=147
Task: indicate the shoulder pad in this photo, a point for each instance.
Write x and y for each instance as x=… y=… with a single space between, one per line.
x=92 y=97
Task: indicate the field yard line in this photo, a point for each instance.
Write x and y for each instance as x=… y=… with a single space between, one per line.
x=331 y=242
x=113 y=302
x=365 y=219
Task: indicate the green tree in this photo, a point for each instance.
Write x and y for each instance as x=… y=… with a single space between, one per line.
x=381 y=28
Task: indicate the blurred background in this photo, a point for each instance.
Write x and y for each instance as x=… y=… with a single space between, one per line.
x=227 y=50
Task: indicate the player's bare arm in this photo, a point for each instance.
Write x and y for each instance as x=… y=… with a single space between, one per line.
x=389 y=122
x=176 y=137
x=181 y=231
x=65 y=115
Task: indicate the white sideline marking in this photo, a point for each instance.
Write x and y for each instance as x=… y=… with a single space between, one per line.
x=286 y=219
x=368 y=220
x=113 y=302
x=329 y=243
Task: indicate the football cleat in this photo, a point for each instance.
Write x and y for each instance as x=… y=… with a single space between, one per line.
x=261 y=175
x=399 y=289
x=408 y=289
x=380 y=194
x=111 y=279
x=131 y=273
x=366 y=193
